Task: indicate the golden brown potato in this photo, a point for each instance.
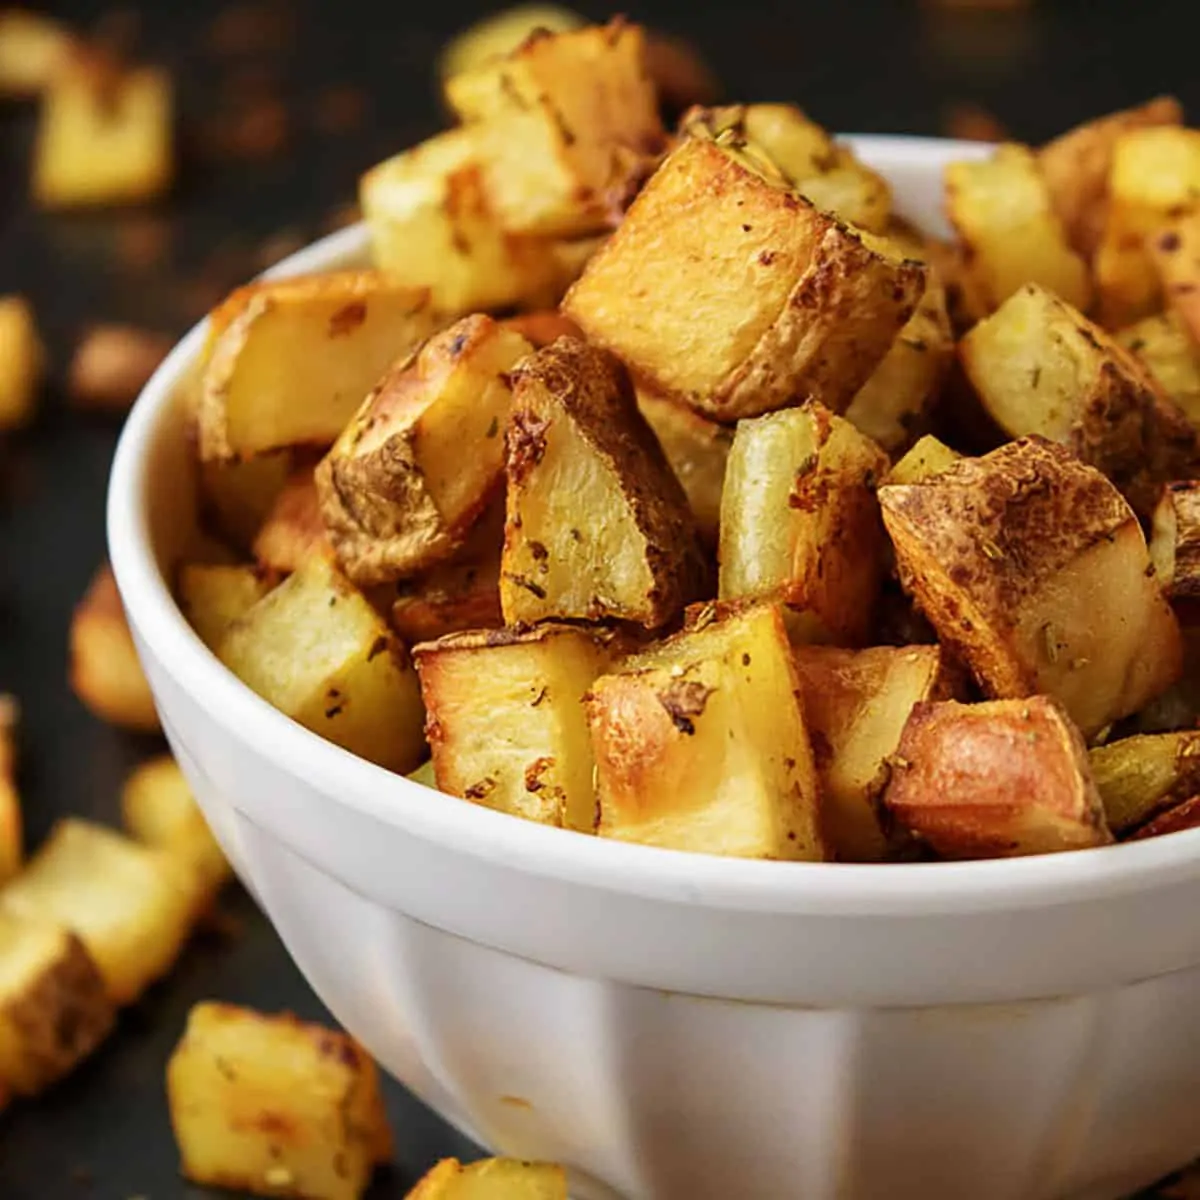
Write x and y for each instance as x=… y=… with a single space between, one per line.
x=500 y=34
x=1034 y=570
x=566 y=124
x=927 y=458
x=417 y=465
x=800 y=522
x=212 y=597
x=1175 y=539
x=1175 y=253
x=105 y=671
x=598 y=526
x=33 y=49
x=1167 y=351
x=11 y=822
x=111 y=365
x=1076 y=166
x=275 y=1106
x=492 y=1179
x=54 y=1010
x=506 y=721
x=294 y=358
x=1012 y=236
x=316 y=650
x=724 y=289
x=125 y=901
x=292 y=531
x=993 y=780
x=236 y=495
x=701 y=744
x=1174 y=820
x=22 y=362
x=1140 y=776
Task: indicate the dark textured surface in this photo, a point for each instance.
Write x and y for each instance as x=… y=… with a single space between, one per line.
x=877 y=66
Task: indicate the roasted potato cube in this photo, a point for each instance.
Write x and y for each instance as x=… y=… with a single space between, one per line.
x=125 y=901
x=1175 y=540
x=566 y=123
x=111 y=365
x=1174 y=820
x=104 y=136
x=1175 y=253
x=1076 y=166
x=54 y=1010
x=33 y=49
x=1167 y=351
x=236 y=495
x=214 y=596
x=1031 y=567
x=500 y=34
x=492 y=1179
x=800 y=522
x=506 y=720
x=856 y=703
x=105 y=671
x=11 y=822
x=929 y=457
x=700 y=743
x=22 y=362
x=295 y=357
x=424 y=454
x=993 y=780
x=317 y=650
x=1140 y=776
x=724 y=289
x=292 y=531
x=275 y=1106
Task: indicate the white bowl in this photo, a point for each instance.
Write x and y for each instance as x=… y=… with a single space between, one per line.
x=681 y=1026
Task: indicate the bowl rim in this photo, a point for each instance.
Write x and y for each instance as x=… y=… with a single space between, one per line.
x=563 y=855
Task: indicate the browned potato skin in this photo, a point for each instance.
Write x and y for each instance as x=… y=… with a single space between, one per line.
x=992 y=780
x=1174 y=820
x=1175 y=542
x=585 y=392
x=293 y=529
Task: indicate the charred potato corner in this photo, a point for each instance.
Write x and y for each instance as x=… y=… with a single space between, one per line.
x=710 y=556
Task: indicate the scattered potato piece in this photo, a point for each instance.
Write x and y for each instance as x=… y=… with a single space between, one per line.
x=105 y=671
x=498 y=35
x=800 y=522
x=597 y=525
x=1034 y=570
x=1140 y=776
x=1175 y=253
x=124 y=901
x=317 y=651
x=1174 y=820
x=292 y=530
x=104 y=136
x=214 y=596
x=54 y=1010
x=418 y=463
x=33 y=49
x=294 y=358
x=700 y=743
x=1167 y=351
x=237 y=495
x=993 y=780
x=1175 y=539
x=725 y=290
x=275 y=1106
x=929 y=457
x=492 y=1179
x=22 y=362
x=112 y=364
x=506 y=720
x=11 y=823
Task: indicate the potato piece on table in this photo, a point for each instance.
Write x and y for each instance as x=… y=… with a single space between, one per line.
x=800 y=522
x=993 y=780
x=1167 y=351
x=213 y=597
x=236 y=495
x=1034 y=570
x=22 y=362
x=725 y=289
x=506 y=721
x=598 y=526
x=54 y=1010
x=316 y=650
x=105 y=671
x=274 y=1106
x=295 y=357
x=417 y=465
x=111 y=365
x=11 y=822
x=33 y=49
x=856 y=704
x=1139 y=776
x=1174 y=820
x=566 y=123
x=292 y=531
x=1002 y=211
x=701 y=743
x=1076 y=166
x=492 y=1179
x=126 y=902
x=927 y=458
x=1175 y=539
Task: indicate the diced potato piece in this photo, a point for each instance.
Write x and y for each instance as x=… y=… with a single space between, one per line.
x=492 y=1179
x=105 y=671
x=295 y=357
x=993 y=780
x=124 y=901
x=275 y=1106
x=856 y=703
x=500 y=34
x=929 y=457
x=1175 y=253
x=701 y=744
x=292 y=531
x=316 y=650
x=1175 y=539
x=111 y=365
x=566 y=124
x=724 y=289
x=237 y=494
x=417 y=465
x=506 y=720
x=104 y=136
x=1140 y=776
x=11 y=822
x=800 y=522
x=54 y=1010
x=33 y=49
x=1155 y=177
x=213 y=597
x=1032 y=568
x=1076 y=166
x=1167 y=351
x=697 y=450
x=1174 y=820
x=598 y=526
x=22 y=362
x=157 y=809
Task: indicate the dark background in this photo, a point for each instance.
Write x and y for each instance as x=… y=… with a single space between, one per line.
x=281 y=107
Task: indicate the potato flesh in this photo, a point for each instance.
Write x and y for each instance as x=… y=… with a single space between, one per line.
x=929 y=457
x=213 y=597
x=492 y=1179
x=292 y=530
x=1139 y=776
x=1166 y=350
